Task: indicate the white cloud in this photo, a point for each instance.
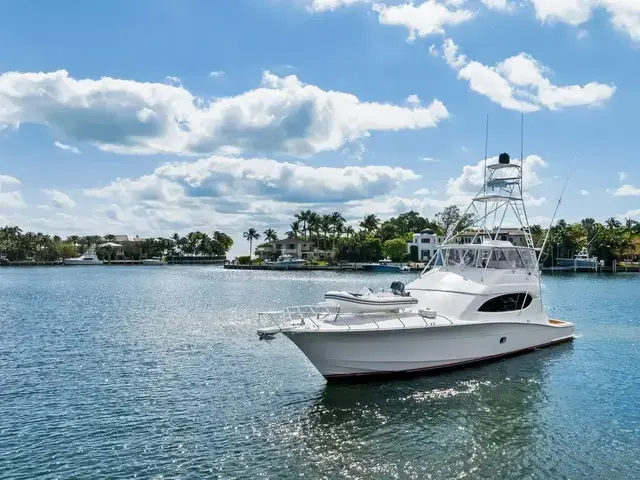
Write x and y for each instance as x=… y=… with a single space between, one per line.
x=631 y=214
x=328 y=5
x=216 y=73
x=68 y=148
x=472 y=178
x=625 y=14
x=235 y=179
x=520 y=83
x=433 y=51
x=11 y=200
x=283 y=115
x=428 y=159
x=428 y=18
x=59 y=199
x=413 y=100
x=422 y=191
x=501 y=5
x=584 y=192
x=622 y=176
x=9 y=180
x=173 y=81
x=627 y=191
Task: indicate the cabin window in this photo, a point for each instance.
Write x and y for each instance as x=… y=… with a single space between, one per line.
x=507 y=303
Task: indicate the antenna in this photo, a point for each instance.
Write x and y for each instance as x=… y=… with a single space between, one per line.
x=486 y=154
x=522 y=149
x=546 y=237
x=544 y=244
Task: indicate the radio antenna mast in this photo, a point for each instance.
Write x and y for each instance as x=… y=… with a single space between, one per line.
x=486 y=154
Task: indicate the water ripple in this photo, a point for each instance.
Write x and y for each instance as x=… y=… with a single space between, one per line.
x=157 y=373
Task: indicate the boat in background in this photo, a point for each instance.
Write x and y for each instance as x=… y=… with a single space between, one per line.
x=381 y=266
x=286 y=261
x=87 y=258
x=580 y=261
x=154 y=261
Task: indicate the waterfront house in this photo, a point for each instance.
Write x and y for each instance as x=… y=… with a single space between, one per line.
x=296 y=247
x=424 y=245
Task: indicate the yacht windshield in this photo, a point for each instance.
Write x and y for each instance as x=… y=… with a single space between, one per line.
x=497 y=258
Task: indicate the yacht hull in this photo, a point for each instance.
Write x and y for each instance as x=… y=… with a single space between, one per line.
x=72 y=261
x=345 y=355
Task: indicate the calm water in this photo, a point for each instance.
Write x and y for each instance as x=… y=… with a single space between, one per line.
x=156 y=372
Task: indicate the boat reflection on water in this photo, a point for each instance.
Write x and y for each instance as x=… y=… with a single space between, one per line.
x=485 y=422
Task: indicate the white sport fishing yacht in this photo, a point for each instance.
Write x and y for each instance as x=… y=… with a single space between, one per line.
x=87 y=258
x=477 y=301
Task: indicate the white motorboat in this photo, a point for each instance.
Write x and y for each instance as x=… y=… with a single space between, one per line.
x=368 y=301
x=87 y=258
x=154 y=261
x=287 y=261
x=580 y=261
x=479 y=301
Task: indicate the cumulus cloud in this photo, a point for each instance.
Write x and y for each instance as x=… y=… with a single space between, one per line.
x=328 y=5
x=472 y=178
x=622 y=176
x=68 y=148
x=11 y=200
x=283 y=115
x=8 y=180
x=500 y=5
x=234 y=177
x=58 y=199
x=585 y=192
x=625 y=14
x=520 y=83
x=425 y=19
x=627 y=191
x=216 y=73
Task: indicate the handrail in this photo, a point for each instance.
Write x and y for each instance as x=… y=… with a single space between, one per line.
x=298 y=316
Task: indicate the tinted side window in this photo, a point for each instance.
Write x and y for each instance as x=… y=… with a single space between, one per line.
x=507 y=303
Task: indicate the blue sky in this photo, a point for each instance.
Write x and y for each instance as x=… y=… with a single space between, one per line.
x=150 y=117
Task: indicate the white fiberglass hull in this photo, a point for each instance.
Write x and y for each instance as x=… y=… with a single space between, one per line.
x=75 y=261
x=341 y=355
x=286 y=264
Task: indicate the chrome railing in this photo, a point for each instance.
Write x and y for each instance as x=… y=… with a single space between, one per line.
x=314 y=315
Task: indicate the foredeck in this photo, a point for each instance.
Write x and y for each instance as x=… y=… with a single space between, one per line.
x=320 y=318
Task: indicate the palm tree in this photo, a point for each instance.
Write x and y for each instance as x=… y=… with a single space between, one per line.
x=370 y=223
x=313 y=224
x=270 y=235
x=326 y=227
x=303 y=217
x=349 y=231
x=612 y=223
x=251 y=235
x=295 y=229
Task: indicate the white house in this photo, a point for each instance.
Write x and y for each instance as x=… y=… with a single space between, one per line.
x=297 y=248
x=427 y=242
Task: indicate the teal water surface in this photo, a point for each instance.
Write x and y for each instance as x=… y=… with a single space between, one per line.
x=156 y=372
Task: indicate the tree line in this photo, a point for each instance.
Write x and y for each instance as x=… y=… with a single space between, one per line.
x=372 y=240
x=17 y=245
x=376 y=239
